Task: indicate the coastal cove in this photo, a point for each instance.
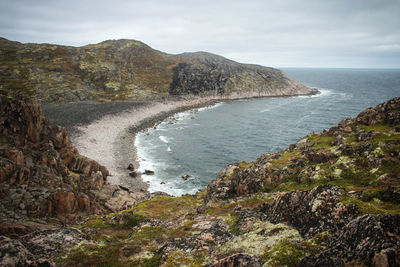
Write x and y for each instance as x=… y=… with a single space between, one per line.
x=106 y=131
x=106 y=138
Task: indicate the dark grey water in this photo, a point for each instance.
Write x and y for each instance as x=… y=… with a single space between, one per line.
x=201 y=143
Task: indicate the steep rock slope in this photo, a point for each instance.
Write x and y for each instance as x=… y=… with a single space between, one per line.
x=42 y=175
x=331 y=199
x=128 y=69
x=207 y=74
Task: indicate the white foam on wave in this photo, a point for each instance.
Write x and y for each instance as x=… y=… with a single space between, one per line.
x=158 y=181
x=211 y=107
x=169 y=149
x=323 y=92
x=275 y=105
x=170 y=187
x=163 y=139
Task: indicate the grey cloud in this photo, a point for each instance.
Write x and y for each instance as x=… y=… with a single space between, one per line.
x=335 y=33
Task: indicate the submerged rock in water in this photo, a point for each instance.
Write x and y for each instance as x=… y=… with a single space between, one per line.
x=186 y=176
x=148 y=172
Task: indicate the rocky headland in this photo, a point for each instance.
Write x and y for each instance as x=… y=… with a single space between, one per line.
x=131 y=70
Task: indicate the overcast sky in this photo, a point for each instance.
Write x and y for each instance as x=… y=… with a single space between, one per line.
x=281 y=33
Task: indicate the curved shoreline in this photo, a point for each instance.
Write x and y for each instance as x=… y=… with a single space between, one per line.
x=109 y=138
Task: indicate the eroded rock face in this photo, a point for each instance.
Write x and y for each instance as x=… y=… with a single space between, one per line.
x=312 y=211
x=205 y=74
x=41 y=173
x=370 y=240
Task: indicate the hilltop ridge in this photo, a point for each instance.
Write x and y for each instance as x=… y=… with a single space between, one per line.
x=131 y=70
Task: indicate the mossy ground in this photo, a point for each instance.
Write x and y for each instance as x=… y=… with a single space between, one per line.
x=167 y=208
x=353 y=172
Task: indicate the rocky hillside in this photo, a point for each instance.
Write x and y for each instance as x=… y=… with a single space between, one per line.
x=331 y=199
x=42 y=175
x=128 y=69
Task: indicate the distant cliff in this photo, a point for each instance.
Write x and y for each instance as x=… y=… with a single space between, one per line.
x=128 y=69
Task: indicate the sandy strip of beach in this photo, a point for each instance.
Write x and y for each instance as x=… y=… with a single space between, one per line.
x=110 y=139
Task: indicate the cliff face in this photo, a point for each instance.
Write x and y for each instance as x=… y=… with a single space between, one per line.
x=331 y=199
x=128 y=69
x=207 y=74
x=42 y=175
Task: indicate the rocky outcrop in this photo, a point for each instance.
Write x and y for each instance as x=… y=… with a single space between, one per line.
x=35 y=249
x=206 y=74
x=128 y=69
x=41 y=173
x=370 y=240
x=311 y=212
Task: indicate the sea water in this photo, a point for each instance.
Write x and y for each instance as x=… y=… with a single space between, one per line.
x=201 y=142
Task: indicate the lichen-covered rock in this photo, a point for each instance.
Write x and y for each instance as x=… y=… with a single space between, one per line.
x=47 y=243
x=312 y=211
x=239 y=259
x=365 y=241
x=217 y=233
x=13 y=253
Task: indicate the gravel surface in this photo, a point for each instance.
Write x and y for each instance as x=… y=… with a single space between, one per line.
x=82 y=113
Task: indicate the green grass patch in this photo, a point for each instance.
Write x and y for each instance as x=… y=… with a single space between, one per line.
x=284 y=160
x=371 y=204
x=382 y=128
x=322 y=141
x=384 y=137
x=178 y=258
x=244 y=165
x=289 y=253
x=154 y=261
x=93 y=255
x=148 y=234
x=167 y=207
x=293 y=186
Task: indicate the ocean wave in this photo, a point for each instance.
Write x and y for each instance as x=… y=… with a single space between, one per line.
x=163 y=139
x=211 y=107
